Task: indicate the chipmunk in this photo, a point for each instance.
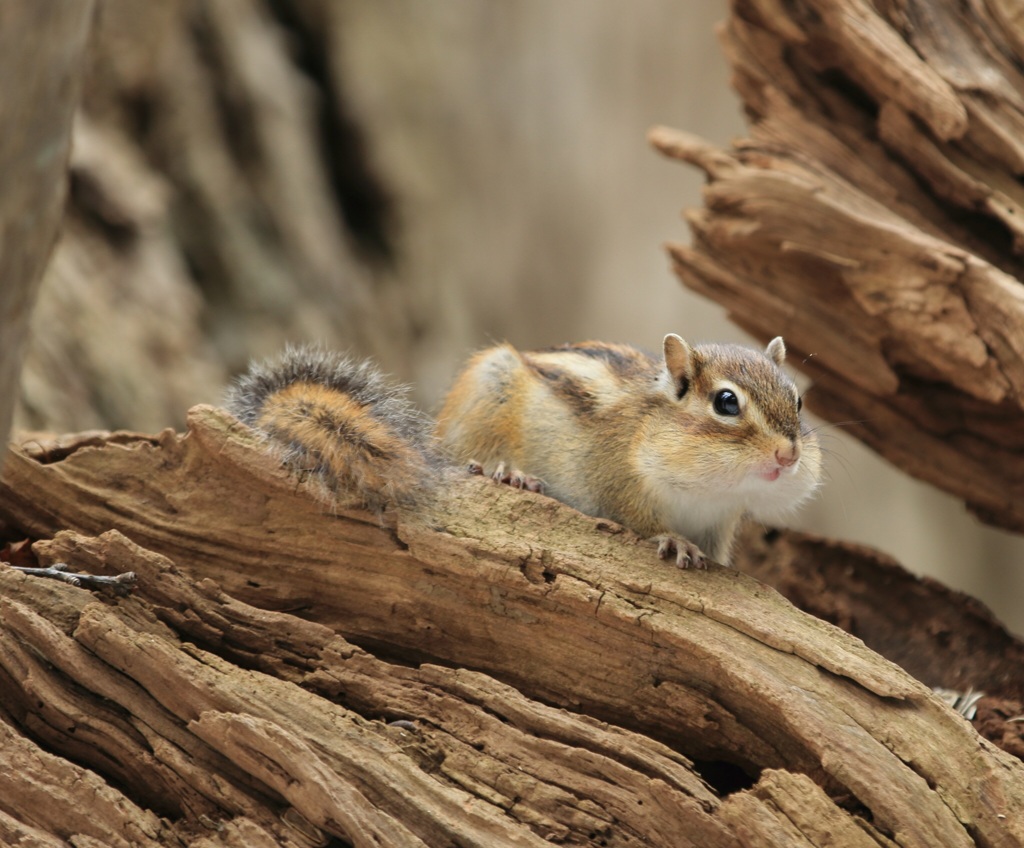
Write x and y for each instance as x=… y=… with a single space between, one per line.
x=679 y=448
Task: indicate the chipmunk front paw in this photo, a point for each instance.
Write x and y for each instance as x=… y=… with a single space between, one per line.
x=685 y=552
x=509 y=476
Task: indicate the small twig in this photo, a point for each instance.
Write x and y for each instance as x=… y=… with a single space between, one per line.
x=119 y=584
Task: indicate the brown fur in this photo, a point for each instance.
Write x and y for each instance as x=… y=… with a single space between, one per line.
x=348 y=446
x=336 y=420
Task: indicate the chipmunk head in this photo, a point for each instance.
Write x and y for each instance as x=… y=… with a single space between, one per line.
x=736 y=416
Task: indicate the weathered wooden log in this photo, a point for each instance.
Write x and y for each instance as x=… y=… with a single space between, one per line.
x=875 y=218
x=734 y=717
x=451 y=753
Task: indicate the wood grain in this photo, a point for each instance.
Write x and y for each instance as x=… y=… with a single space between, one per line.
x=205 y=704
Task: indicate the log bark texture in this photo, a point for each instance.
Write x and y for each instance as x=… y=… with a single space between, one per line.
x=875 y=217
x=498 y=669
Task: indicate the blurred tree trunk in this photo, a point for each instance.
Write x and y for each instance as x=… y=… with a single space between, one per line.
x=222 y=203
x=41 y=56
x=875 y=217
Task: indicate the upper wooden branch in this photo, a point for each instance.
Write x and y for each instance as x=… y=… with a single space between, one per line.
x=875 y=219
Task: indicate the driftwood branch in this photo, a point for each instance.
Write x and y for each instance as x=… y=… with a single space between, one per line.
x=637 y=704
x=875 y=217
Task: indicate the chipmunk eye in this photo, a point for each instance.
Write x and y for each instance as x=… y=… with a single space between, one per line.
x=726 y=402
x=799 y=404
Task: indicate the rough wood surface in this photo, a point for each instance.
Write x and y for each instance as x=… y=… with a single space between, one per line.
x=875 y=217
x=942 y=637
x=683 y=708
x=42 y=45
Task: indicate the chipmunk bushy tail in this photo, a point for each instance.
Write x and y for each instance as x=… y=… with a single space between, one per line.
x=338 y=419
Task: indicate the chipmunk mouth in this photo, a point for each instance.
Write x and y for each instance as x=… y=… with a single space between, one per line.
x=786 y=460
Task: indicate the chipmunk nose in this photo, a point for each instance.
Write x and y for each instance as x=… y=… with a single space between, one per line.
x=787 y=456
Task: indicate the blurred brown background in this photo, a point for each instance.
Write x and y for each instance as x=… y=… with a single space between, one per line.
x=412 y=180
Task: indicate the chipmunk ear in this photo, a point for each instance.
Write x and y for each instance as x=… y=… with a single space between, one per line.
x=776 y=351
x=679 y=362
